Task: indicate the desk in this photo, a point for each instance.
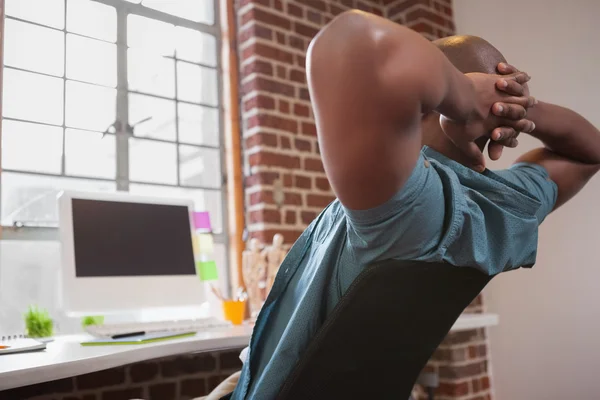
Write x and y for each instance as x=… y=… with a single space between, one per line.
x=65 y=357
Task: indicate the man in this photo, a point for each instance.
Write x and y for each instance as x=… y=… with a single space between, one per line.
x=378 y=90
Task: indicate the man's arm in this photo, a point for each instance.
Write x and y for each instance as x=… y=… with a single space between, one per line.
x=572 y=148
x=370 y=81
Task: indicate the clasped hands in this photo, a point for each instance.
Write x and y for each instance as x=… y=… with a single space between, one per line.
x=498 y=113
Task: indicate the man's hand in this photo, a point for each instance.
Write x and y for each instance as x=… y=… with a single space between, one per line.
x=506 y=136
x=507 y=95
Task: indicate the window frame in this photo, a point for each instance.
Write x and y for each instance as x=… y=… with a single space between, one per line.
x=122 y=133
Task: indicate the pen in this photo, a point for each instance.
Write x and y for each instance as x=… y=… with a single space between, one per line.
x=126 y=335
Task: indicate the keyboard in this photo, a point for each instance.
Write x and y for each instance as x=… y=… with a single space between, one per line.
x=185 y=325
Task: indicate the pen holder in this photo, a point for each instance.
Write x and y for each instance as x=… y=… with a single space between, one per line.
x=234 y=311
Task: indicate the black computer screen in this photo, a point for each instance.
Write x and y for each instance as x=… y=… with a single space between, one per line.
x=114 y=238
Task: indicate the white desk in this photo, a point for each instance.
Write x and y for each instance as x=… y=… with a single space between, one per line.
x=65 y=357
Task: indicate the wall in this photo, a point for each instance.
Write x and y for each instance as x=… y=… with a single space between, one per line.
x=546 y=346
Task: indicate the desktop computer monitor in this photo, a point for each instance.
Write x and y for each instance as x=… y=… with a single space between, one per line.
x=124 y=253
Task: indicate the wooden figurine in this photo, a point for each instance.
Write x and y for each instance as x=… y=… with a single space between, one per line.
x=273 y=256
x=254 y=270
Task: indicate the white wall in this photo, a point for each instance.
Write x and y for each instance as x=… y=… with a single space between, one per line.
x=547 y=345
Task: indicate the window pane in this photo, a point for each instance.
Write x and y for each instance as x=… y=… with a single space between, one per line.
x=199 y=167
x=196 y=84
x=162 y=112
x=195 y=46
x=195 y=10
x=150 y=74
x=46 y=12
x=151 y=35
x=32 y=97
x=33 y=47
x=31 y=147
x=90 y=154
x=32 y=198
x=90 y=107
x=198 y=125
x=204 y=200
x=91 y=60
x=151 y=161
x=92 y=19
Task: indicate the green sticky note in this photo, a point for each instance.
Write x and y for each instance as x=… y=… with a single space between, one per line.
x=206 y=270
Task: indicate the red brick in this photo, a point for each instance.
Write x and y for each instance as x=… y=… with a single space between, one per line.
x=143 y=372
x=294 y=10
x=267 y=85
x=273 y=121
x=280 y=37
x=349 y=3
x=257 y=67
x=316 y=4
x=452 y=354
x=453 y=389
x=256 y=30
x=286 y=143
x=317 y=200
x=447 y=10
x=281 y=72
x=292 y=199
x=428 y=15
x=261 y=139
x=463 y=337
x=261 y=15
x=123 y=394
x=193 y=387
x=322 y=184
x=313 y=164
x=108 y=377
x=266 y=236
x=270 y=52
x=422 y=27
x=259 y=101
x=304 y=94
x=476 y=385
x=298 y=43
x=315 y=17
x=284 y=106
x=288 y=180
x=297 y=75
x=307 y=217
x=263 y=196
x=302 y=145
x=163 y=391
x=301 y=110
x=335 y=10
x=405 y=5
x=261 y=178
x=266 y=158
x=300 y=61
x=290 y=217
x=305 y=30
x=485 y=383
x=302 y=182
x=364 y=6
x=278 y=5
x=463 y=371
x=477 y=351
x=377 y=10
x=308 y=128
x=265 y=215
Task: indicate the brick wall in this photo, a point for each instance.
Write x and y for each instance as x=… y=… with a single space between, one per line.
x=173 y=378
x=286 y=186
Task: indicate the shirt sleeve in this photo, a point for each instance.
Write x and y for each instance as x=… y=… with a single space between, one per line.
x=533 y=179
x=407 y=226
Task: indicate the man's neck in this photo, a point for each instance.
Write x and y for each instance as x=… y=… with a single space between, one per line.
x=433 y=136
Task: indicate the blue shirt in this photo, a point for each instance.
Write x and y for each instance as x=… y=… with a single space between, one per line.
x=444 y=212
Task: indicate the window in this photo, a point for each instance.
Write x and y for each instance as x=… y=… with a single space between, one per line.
x=104 y=95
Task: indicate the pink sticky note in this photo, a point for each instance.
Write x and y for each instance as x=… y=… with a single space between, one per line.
x=202 y=221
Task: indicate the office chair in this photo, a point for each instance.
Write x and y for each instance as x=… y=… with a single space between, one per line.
x=383 y=331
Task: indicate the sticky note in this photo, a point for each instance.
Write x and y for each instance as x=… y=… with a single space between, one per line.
x=202 y=221
x=207 y=270
x=205 y=243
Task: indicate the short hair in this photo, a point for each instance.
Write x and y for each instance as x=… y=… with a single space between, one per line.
x=470 y=53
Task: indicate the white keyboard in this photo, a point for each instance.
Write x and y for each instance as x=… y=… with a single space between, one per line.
x=185 y=325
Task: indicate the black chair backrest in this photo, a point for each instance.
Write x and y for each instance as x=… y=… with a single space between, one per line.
x=383 y=331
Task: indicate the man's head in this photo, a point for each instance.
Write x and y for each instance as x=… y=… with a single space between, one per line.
x=468 y=54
